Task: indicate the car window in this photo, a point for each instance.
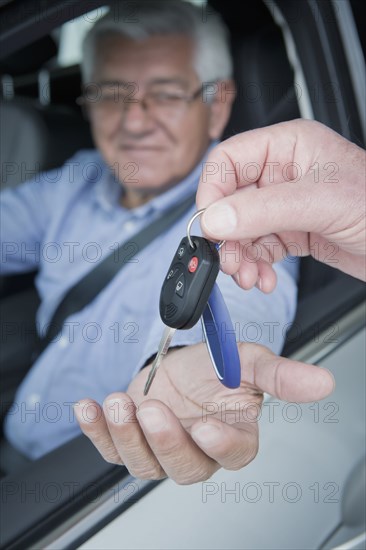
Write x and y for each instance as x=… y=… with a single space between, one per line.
x=70 y=36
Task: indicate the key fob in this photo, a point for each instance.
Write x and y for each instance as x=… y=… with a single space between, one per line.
x=189 y=282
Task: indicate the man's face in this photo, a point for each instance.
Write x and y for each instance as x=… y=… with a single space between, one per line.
x=154 y=146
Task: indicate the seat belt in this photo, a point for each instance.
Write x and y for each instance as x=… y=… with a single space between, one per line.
x=88 y=288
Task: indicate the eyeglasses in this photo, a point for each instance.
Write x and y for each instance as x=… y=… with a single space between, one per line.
x=163 y=102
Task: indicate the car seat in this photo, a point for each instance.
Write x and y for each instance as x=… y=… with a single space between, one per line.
x=34 y=138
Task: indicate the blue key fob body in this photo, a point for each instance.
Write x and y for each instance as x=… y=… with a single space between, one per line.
x=221 y=340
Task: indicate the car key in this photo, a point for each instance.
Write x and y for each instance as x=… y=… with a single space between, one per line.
x=163 y=350
x=185 y=291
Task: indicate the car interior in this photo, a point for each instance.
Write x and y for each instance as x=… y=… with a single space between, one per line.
x=41 y=126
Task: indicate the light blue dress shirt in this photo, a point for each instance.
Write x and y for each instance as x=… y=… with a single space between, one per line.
x=64 y=222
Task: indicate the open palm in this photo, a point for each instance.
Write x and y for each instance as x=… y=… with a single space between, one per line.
x=190 y=424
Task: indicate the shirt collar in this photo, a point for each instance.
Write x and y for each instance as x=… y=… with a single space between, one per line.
x=108 y=189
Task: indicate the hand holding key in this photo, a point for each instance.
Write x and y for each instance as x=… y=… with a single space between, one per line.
x=171 y=432
x=295 y=188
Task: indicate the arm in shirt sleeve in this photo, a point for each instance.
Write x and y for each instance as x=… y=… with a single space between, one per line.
x=26 y=212
x=23 y=221
x=256 y=317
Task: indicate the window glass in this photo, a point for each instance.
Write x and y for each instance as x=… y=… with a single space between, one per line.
x=70 y=36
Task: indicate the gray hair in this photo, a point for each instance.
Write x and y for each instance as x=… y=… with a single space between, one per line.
x=141 y=19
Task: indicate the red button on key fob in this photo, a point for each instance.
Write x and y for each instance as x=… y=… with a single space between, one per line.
x=193 y=264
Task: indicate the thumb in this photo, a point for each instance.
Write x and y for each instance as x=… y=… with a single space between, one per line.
x=254 y=213
x=283 y=378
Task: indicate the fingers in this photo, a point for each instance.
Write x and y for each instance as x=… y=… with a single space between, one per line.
x=177 y=453
x=129 y=439
x=273 y=209
x=276 y=180
x=247 y=267
x=151 y=442
x=237 y=162
x=283 y=378
x=116 y=433
x=262 y=275
x=91 y=419
x=240 y=258
x=267 y=278
x=231 y=446
x=262 y=156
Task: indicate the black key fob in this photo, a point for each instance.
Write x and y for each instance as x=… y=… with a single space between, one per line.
x=188 y=283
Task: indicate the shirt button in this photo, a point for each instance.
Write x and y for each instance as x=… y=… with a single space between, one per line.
x=63 y=342
x=129 y=226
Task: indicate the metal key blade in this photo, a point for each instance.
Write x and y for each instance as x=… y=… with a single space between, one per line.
x=163 y=349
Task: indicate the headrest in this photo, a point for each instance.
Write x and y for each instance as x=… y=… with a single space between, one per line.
x=35 y=138
x=264 y=79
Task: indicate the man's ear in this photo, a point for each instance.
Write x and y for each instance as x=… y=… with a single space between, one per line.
x=221 y=105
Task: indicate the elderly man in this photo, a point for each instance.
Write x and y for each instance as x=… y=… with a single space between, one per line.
x=148 y=90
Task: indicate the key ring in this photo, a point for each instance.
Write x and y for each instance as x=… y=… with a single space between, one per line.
x=196 y=215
